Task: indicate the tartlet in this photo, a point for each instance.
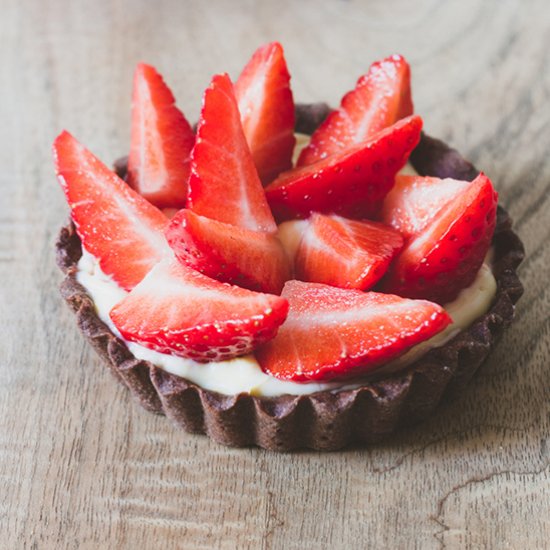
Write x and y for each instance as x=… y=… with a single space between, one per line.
x=326 y=420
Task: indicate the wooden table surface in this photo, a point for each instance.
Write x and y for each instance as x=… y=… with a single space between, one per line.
x=82 y=466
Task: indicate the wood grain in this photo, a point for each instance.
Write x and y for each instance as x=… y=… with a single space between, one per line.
x=83 y=467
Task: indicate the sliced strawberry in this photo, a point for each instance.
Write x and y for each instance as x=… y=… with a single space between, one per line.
x=250 y=259
x=415 y=200
x=380 y=98
x=267 y=110
x=445 y=256
x=162 y=139
x=333 y=334
x=177 y=310
x=345 y=253
x=116 y=225
x=351 y=183
x=224 y=183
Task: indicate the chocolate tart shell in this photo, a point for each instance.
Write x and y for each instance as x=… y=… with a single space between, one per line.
x=326 y=420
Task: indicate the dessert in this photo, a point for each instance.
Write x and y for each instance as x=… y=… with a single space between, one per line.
x=332 y=334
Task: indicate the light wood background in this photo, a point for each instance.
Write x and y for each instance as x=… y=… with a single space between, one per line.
x=82 y=466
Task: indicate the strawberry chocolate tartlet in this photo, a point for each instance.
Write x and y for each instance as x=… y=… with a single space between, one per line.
x=287 y=276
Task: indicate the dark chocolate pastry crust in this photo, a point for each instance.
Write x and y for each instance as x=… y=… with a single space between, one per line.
x=326 y=420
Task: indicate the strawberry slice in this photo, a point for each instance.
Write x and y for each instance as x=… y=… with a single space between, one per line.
x=345 y=253
x=351 y=183
x=115 y=224
x=415 y=200
x=162 y=139
x=267 y=110
x=333 y=334
x=224 y=183
x=250 y=259
x=180 y=311
x=445 y=256
x=380 y=98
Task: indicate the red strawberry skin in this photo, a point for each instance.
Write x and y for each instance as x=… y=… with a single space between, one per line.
x=115 y=224
x=351 y=183
x=250 y=259
x=345 y=253
x=267 y=110
x=162 y=139
x=336 y=334
x=380 y=98
x=416 y=200
x=446 y=255
x=180 y=311
x=224 y=184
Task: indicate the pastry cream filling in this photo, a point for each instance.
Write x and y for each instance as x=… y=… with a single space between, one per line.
x=243 y=374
